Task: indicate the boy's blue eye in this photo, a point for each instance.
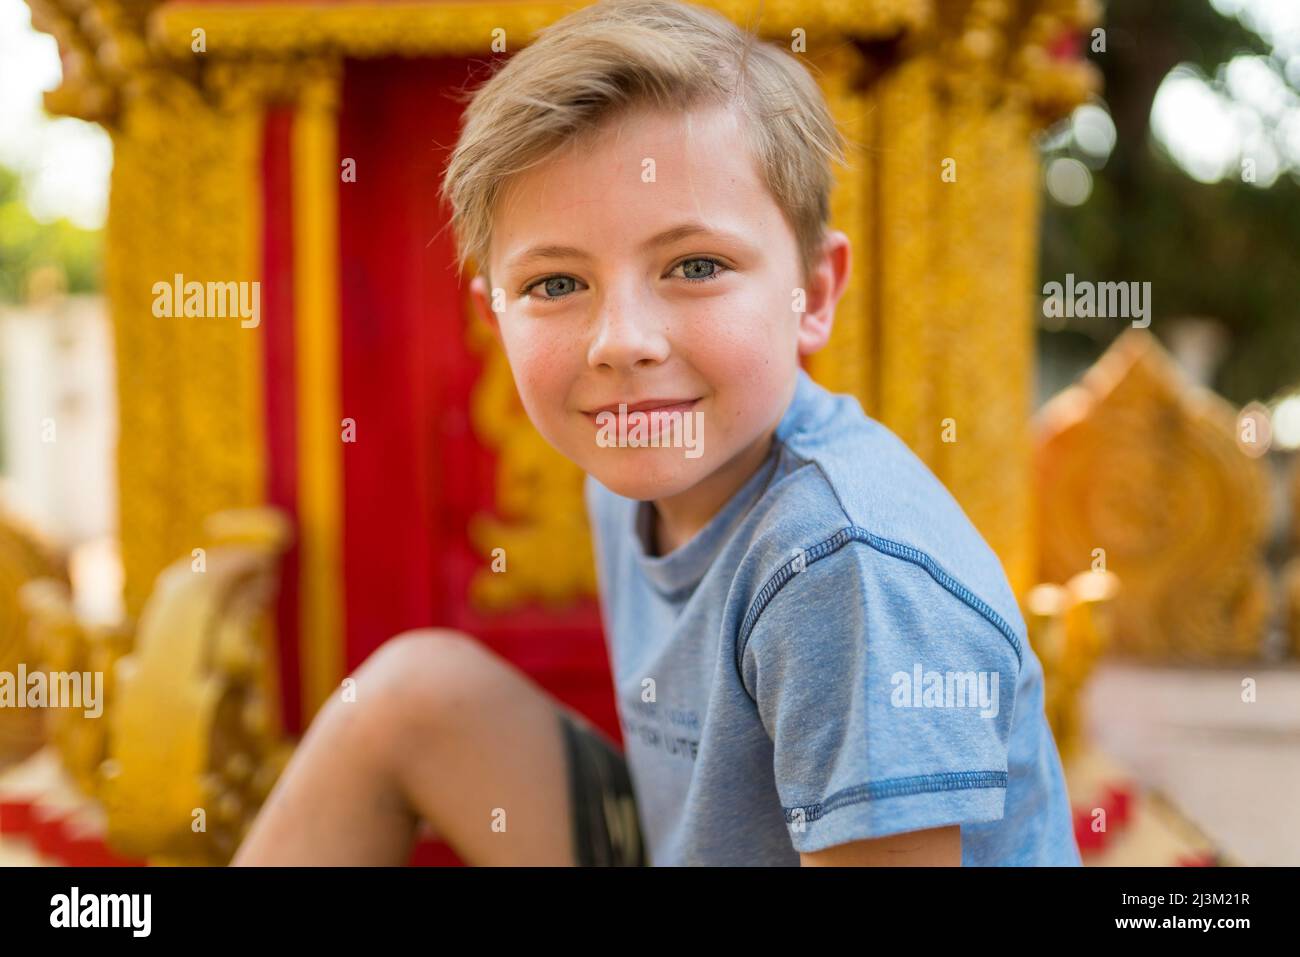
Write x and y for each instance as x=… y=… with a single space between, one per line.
x=713 y=273
x=550 y=286
x=690 y=275
x=550 y=282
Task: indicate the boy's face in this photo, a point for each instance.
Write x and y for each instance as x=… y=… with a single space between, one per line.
x=703 y=323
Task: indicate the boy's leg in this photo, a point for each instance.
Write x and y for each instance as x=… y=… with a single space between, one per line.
x=441 y=730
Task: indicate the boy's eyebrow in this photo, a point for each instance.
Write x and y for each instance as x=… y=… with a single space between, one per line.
x=670 y=235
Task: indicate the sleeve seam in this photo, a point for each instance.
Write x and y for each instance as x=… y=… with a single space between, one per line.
x=897 y=787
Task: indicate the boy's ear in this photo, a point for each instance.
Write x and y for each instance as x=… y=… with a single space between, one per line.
x=481 y=296
x=825 y=287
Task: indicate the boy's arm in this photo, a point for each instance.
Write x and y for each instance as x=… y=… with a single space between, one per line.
x=936 y=847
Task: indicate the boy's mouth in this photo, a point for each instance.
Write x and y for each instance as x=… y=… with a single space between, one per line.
x=664 y=406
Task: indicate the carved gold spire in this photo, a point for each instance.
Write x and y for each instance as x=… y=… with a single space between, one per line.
x=1140 y=474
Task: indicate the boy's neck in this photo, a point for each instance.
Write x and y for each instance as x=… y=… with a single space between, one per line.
x=678 y=518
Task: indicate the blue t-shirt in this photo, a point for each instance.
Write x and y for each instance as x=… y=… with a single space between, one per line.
x=836 y=656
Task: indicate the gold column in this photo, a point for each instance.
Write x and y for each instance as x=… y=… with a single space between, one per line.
x=320 y=446
x=908 y=167
x=185 y=200
x=982 y=362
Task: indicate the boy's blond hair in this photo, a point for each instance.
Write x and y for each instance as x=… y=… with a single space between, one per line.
x=617 y=54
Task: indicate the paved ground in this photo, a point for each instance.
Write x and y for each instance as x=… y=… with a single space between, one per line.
x=1231 y=767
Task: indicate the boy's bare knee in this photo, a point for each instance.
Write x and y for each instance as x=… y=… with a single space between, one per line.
x=416 y=680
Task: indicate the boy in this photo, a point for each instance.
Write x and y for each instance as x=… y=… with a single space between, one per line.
x=817 y=659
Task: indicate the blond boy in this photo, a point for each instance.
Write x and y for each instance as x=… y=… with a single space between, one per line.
x=817 y=659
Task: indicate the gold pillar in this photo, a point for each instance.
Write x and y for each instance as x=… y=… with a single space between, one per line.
x=981 y=357
x=316 y=176
x=185 y=201
x=908 y=167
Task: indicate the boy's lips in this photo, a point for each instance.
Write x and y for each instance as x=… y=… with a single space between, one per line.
x=648 y=405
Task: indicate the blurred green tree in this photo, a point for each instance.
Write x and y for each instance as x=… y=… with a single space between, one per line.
x=28 y=245
x=1228 y=250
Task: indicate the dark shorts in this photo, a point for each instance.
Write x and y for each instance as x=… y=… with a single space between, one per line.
x=606 y=830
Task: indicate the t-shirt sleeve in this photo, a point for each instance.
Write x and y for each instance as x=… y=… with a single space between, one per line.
x=888 y=695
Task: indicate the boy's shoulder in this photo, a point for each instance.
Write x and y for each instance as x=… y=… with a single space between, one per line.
x=875 y=612
x=849 y=484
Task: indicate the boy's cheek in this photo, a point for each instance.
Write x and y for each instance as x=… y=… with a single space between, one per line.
x=541 y=400
x=535 y=364
x=749 y=328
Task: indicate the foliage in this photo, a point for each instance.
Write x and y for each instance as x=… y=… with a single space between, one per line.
x=28 y=245
x=1229 y=251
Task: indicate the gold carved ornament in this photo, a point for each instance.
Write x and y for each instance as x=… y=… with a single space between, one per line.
x=1139 y=473
x=62 y=644
x=195 y=741
x=412 y=29
x=24 y=556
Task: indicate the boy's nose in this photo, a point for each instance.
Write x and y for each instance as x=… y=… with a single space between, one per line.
x=627 y=337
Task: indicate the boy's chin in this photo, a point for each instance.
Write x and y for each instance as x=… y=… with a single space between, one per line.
x=646 y=474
